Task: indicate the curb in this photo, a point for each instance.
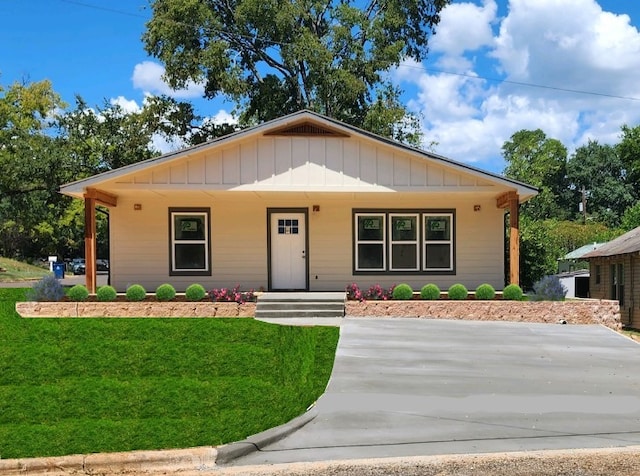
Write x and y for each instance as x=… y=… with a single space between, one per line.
x=228 y=453
x=196 y=459
x=190 y=459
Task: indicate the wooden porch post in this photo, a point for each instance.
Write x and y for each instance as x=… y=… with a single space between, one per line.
x=511 y=200
x=514 y=240
x=90 y=243
x=93 y=197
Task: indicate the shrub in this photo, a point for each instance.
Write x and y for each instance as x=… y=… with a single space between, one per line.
x=458 y=292
x=47 y=289
x=402 y=291
x=165 y=292
x=232 y=295
x=375 y=292
x=548 y=288
x=78 y=293
x=430 y=292
x=136 y=292
x=195 y=292
x=354 y=293
x=485 y=292
x=512 y=292
x=378 y=293
x=106 y=293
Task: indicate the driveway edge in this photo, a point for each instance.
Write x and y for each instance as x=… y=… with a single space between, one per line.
x=197 y=459
x=190 y=459
x=228 y=453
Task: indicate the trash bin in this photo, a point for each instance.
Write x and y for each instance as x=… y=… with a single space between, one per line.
x=58 y=270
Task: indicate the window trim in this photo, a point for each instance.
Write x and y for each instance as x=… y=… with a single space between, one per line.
x=386 y=213
x=617 y=282
x=357 y=242
x=415 y=242
x=426 y=242
x=200 y=212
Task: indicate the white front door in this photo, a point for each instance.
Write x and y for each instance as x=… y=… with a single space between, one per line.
x=288 y=251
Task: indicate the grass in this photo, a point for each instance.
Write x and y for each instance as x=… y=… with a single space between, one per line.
x=632 y=333
x=70 y=386
x=18 y=271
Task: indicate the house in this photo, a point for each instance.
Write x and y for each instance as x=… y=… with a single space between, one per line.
x=573 y=261
x=575 y=282
x=615 y=274
x=573 y=271
x=303 y=202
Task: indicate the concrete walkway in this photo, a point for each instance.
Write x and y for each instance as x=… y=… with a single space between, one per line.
x=405 y=387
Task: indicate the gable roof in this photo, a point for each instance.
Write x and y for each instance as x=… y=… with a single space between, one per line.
x=583 y=250
x=303 y=123
x=625 y=244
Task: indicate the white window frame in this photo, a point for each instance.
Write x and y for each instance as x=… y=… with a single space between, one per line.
x=415 y=242
x=382 y=242
x=204 y=242
x=426 y=242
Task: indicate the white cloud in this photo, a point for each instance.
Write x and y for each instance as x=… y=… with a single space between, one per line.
x=464 y=27
x=560 y=44
x=127 y=105
x=223 y=117
x=166 y=145
x=149 y=77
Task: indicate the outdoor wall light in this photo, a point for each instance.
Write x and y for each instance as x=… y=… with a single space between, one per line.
x=476 y=208
x=316 y=208
x=137 y=206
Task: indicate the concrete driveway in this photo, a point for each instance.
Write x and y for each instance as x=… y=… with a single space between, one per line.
x=408 y=387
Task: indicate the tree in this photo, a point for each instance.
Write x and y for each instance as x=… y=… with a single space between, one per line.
x=598 y=171
x=26 y=157
x=33 y=166
x=631 y=218
x=536 y=160
x=108 y=137
x=543 y=242
x=274 y=57
x=629 y=151
x=42 y=146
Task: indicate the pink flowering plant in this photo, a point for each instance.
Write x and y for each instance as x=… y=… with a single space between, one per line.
x=374 y=293
x=232 y=295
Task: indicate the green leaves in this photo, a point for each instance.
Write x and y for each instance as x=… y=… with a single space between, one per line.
x=539 y=161
x=277 y=56
x=42 y=146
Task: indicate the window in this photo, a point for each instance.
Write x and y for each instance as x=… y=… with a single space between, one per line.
x=370 y=242
x=288 y=227
x=438 y=242
x=598 y=278
x=617 y=283
x=189 y=229
x=404 y=241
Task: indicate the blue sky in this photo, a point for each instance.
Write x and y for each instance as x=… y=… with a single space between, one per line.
x=93 y=48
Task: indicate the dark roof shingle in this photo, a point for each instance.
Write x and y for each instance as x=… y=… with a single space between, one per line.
x=625 y=244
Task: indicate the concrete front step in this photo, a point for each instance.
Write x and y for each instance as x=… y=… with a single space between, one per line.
x=302 y=296
x=301 y=305
x=297 y=304
x=279 y=313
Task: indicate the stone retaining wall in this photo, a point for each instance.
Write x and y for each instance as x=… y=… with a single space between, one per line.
x=590 y=311
x=573 y=312
x=135 y=309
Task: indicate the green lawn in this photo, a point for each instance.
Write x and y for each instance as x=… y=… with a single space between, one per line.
x=82 y=386
x=19 y=271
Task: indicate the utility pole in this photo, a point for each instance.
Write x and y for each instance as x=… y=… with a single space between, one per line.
x=584 y=206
